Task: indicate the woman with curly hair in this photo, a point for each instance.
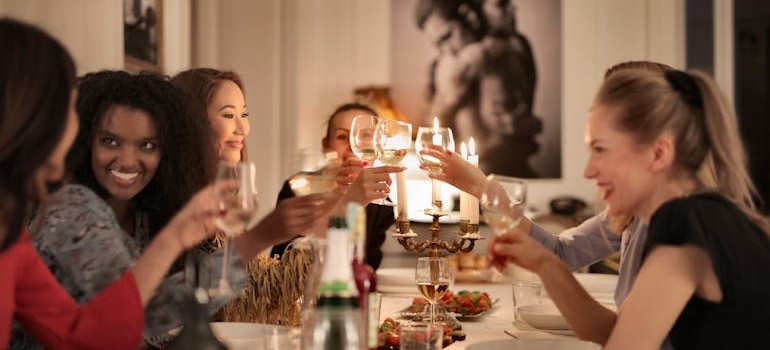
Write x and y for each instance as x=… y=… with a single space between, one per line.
x=38 y=124
x=131 y=171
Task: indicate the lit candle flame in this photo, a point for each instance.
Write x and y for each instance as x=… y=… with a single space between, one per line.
x=435 y=124
x=471 y=147
x=463 y=150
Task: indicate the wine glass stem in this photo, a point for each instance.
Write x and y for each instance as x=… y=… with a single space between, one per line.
x=224 y=284
x=433 y=312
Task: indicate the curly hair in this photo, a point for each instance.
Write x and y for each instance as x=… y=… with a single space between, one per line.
x=200 y=84
x=186 y=142
x=37 y=76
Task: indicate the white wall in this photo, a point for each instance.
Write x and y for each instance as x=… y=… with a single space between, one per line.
x=300 y=58
x=335 y=45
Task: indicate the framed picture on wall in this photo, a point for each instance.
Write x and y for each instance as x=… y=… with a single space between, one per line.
x=488 y=69
x=143 y=35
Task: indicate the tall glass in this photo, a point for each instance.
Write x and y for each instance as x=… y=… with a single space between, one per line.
x=237 y=200
x=438 y=136
x=503 y=202
x=433 y=276
x=364 y=145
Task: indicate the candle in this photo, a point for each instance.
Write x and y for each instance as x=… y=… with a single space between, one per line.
x=464 y=212
x=437 y=138
x=473 y=202
x=403 y=210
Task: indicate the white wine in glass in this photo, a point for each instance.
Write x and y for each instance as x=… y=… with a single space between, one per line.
x=437 y=136
x=236 y=194
x=503 y=201
x=393 y=138
x=362 y=141
x=316 y=172
x=433 y=276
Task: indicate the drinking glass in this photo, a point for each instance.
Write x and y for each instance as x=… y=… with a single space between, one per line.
x=363 y=143
x=438 y=136
x=237 y=200
x=393 y=139
x=316 y=172
x=433 y=276
x=503 y=201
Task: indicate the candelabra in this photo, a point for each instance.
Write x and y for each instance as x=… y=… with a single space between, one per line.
x=468 y=235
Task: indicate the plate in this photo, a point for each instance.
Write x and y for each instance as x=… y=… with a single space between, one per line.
x=405 y=313
x=543 y=316
x=396 y=277
x=598 y=283
x=534 y=344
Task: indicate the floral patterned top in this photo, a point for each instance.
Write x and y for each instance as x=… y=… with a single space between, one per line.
x=80 y=240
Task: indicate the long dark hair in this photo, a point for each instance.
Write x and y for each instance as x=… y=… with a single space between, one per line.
x=37 y=76
x=200 y=84
x=185 y=142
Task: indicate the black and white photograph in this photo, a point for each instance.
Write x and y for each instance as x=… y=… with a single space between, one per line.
x=488 y=69
x=142 y=23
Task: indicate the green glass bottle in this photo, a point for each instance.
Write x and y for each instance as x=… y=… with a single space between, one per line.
x=337 y=318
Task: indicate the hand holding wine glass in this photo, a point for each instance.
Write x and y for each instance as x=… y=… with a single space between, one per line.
x=316 y=172
x=503 y=201
x=237 y=200
x=440 y=137
x=363 y=143
x=433 y=276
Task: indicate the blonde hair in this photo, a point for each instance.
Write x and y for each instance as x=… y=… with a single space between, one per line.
x=690 y=106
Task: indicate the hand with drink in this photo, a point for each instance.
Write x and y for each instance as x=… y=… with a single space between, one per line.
x=236 y=197
x=503 y=201
x=364 y=144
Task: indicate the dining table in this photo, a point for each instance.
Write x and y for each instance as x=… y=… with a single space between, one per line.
x=496 y=323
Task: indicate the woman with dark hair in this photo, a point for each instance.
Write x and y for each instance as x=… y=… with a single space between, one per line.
x=355 y=182
x=38 y=124
x=133 y=141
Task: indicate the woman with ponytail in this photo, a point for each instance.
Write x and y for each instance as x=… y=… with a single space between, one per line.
x=665 y=148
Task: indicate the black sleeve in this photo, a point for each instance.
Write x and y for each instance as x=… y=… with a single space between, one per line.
x=285 y=192
x=378 y=219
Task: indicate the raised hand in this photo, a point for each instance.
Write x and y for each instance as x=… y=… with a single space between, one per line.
x=519 y=248
x=455 y=170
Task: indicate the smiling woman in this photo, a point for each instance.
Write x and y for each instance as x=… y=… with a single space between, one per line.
x=126 y=161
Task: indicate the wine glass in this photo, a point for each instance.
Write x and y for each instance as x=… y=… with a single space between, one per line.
x=438 y=136
x=316 y=172
x=236 y=195
x=393 y=139
x=503 y=201
x=363 y=143
x=433 y=276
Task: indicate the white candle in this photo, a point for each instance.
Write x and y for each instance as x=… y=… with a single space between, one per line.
x=473 y=202
x=464 y=212
x=403 y=209
x=437 y=138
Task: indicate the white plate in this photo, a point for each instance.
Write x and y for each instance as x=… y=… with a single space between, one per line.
x=543 y=316
x=240 y=335
x=396 y=277
x=534 y=344
x=598 y=283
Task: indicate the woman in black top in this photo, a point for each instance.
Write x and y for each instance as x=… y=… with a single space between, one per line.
x=355 y=182
x=703 y=280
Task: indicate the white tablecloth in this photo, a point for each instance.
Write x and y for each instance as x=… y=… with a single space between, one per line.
x=491 y=326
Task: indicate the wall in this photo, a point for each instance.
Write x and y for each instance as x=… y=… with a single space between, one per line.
x=300 y=58
x=334 y=45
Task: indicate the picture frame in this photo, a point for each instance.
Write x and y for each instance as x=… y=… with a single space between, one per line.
x=143 y=35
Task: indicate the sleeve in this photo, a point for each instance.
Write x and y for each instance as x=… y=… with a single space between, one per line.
x=285 y=192
x=676 y=223
x=82 y=242
x=580 y=246
x=378 y=219
x=113 y=319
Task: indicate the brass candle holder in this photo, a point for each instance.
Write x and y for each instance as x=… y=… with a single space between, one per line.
x=468 y=235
